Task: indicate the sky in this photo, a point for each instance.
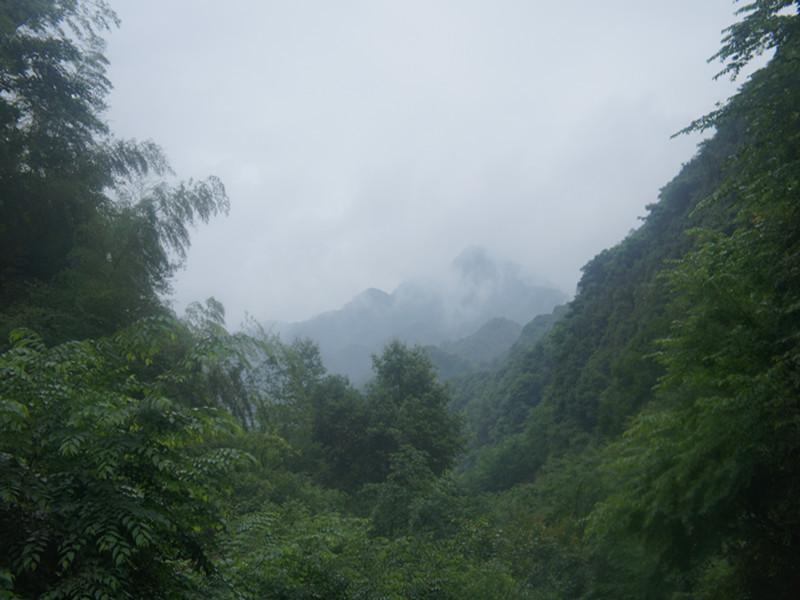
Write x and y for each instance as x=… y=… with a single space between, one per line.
x=364 y=143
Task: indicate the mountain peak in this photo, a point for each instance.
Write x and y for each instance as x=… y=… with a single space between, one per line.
x=476 y=263
x=479 y=289
x=373 y=295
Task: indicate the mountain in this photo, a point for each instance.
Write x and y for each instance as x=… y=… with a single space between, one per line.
x=456 y=358
x=488 y=347
x=652 y=434
x=493 y=339
x=476 y=289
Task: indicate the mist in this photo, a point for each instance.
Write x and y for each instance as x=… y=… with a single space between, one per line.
x=468 y=322
x=364 y=144
x=478 y=291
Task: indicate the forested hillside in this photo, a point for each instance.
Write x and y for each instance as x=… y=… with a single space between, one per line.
x=653 y=433
x=641 y=442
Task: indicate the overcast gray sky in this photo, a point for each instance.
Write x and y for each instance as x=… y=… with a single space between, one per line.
x=367 y=142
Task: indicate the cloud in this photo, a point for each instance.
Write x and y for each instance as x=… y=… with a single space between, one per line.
x=366 y=143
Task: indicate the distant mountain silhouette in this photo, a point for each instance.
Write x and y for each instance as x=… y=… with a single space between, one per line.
x=476 y=289
x=491 y=344
x=454 y=358
x=492 y=340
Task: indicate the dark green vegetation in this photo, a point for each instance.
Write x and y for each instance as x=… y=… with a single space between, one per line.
x=642 y=443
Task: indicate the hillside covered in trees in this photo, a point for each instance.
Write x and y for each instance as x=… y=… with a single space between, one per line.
x=641 y=442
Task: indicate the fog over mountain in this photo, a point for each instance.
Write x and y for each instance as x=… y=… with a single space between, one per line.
x=363 y=143
x=476 y=288
x=455 y=358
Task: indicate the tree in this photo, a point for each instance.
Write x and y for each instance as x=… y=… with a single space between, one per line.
x=707 y=478
x=404 y=406
x=109 y=487
x=87 y=240
x=410 y=407
x=52 y=79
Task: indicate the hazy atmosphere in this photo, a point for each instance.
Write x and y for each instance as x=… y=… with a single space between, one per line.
x=366 y=143
x=431 y=304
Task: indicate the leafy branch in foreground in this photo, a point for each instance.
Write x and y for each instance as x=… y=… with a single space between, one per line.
x=108 y=487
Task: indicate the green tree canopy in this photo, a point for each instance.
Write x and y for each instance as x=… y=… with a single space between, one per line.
x=707 y=478
x=90 y=230
x=109 y=486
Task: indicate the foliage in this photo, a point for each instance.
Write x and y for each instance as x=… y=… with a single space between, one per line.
x=108 y=486
x=640 y=443
x=677 y=359
x=410 y=406
x=708 y=477
x=88 y=240
x=412 y=499
x=403 y=407
x=288 y=553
